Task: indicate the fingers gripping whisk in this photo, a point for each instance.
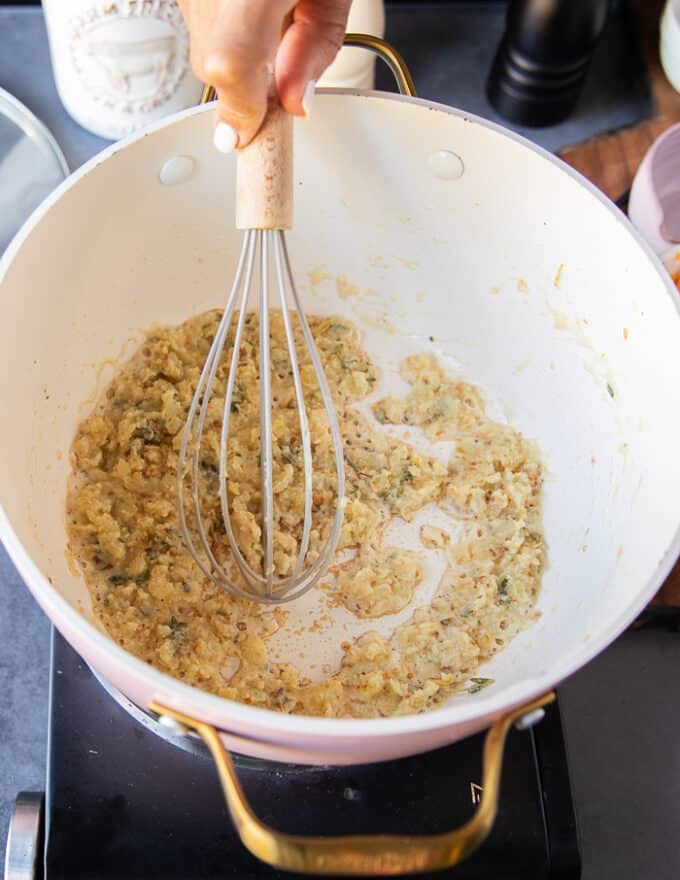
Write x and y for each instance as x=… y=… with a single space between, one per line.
x=264 y=275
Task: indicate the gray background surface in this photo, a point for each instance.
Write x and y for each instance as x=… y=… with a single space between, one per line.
x=621 y=712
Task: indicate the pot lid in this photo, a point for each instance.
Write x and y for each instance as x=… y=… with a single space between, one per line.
x=31 y=165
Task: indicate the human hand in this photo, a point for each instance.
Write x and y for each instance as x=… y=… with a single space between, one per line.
x=243 y=47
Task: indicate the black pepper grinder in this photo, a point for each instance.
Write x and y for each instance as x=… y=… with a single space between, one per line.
x=542 y=60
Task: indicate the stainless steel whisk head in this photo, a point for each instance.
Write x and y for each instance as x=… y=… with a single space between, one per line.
x=264 y=192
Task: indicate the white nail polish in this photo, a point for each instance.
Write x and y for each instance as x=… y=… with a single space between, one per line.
x=225 y=138
x=308 y=97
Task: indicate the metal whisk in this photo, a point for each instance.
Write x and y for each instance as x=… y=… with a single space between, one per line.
x=264 y=209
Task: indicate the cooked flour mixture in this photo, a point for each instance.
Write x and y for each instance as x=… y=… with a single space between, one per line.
x=153 y=600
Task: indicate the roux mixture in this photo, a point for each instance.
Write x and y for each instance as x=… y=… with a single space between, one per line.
x=151 y=597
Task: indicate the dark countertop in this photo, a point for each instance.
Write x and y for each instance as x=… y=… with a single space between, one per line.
x=621 y=713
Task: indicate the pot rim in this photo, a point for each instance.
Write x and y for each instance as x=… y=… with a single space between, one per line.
x=207 y=705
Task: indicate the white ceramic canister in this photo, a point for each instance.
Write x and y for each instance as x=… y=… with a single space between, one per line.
x=669 y=42
x=120 y=64
x=355 y=68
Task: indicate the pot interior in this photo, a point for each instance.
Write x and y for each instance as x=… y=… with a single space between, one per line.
x=516 y=274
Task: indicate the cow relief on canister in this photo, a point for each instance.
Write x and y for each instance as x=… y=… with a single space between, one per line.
x=120 y=65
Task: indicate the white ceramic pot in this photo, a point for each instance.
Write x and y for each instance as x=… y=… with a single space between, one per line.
x=120 y=64
x=528 y=279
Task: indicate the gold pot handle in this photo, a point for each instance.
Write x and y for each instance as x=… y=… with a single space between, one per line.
x=379 y=47
x=393 y=59
x=369 y=855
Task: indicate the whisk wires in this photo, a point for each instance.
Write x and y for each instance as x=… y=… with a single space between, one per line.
x=267 y=250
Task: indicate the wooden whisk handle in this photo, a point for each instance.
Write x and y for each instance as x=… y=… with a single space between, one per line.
x=264 y=176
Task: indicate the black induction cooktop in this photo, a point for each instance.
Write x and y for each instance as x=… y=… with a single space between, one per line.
x=122 y=802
